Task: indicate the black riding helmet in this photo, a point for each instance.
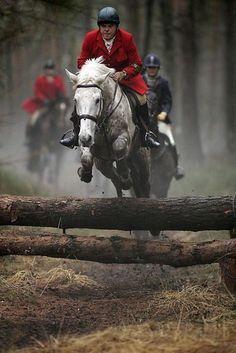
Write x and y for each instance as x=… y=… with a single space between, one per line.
x=151 y=60
x=49 y=65
x=108 y=15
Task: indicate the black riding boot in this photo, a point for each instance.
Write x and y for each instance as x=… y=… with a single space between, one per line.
x=70 y=138
x=149 y=139
x=179 y=172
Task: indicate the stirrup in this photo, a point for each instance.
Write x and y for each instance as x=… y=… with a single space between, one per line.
x=69 y=141
x=151 y=140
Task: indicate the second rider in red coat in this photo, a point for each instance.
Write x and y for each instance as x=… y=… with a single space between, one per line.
x=120 y=53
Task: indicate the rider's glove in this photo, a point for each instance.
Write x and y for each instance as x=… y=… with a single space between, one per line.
x=162 y=116
x=119 y=75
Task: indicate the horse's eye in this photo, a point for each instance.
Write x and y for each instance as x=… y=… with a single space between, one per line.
x=97 y=101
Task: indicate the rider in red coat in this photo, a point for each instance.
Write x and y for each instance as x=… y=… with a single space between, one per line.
x=123 y=57
x=120 y=53
x=47 y=88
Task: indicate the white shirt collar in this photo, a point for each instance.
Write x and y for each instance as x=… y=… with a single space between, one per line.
x=109 y=43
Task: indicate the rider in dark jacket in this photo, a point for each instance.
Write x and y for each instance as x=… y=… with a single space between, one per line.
x=160 y=103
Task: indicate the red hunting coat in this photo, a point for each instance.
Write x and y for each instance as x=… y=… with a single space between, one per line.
x=123 y=57
x=44 y=90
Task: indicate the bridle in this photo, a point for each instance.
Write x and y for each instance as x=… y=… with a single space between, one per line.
x=87 y=116
x=110 y=109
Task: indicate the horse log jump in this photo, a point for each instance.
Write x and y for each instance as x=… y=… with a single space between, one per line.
x=184 y=213
x=115 y=249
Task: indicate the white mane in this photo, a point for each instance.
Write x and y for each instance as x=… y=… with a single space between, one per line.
x=93 y=70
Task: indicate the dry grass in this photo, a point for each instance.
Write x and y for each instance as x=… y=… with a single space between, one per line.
x=193 y=303
x=190 y=311
x=29 y=283
x=148 y=338
x=65 y=278
x=20 y=285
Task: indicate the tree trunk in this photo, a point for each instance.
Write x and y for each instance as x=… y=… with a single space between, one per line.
x=115 y=249
x=167 y=23
x=230 y=68
x=148 y=25
x=228 y=268
x=87 y=10
x=133 y=15
x=184 y=213
x=188 y=43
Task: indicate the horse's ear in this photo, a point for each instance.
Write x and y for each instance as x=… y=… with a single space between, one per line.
x=72 y=77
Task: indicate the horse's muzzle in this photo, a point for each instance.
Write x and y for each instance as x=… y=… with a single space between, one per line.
x=85 y=140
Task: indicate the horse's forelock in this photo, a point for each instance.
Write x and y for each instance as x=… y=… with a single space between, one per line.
x=92 y=70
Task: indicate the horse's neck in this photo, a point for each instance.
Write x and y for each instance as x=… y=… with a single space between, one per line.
x=118 y=109
x=111 y=92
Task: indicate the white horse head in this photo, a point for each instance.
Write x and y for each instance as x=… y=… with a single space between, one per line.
x=88 y=97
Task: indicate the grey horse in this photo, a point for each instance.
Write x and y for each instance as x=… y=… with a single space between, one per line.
x=108 y=136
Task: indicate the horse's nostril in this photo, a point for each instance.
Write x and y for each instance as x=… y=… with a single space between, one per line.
x=85 y=139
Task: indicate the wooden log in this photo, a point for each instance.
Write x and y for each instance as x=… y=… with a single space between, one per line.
x=116 y=249
x=228 y=269
x=184 y=213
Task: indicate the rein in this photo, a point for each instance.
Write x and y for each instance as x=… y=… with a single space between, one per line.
x=107 y=116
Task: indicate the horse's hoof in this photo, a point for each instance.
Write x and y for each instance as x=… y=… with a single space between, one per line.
x=158 y=234
x=163 y=236
x=126 y=184
x=84 y=176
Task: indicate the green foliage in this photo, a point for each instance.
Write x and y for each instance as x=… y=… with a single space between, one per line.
x=11 y=183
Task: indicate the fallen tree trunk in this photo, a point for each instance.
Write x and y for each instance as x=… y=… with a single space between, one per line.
x=184 y=213
x=228 y=269
x=116 y=249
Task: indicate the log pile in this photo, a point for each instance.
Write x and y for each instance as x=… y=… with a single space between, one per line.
x=185 y=213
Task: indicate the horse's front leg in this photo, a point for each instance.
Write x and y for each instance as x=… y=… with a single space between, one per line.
x=121 y=149
x=85 y=171
x=108 y=170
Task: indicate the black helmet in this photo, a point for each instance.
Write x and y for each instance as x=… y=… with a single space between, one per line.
x=151 y=60
x=108 y=14
x=49 y=65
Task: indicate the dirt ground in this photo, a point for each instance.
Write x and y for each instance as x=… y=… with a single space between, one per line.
x=41 y=298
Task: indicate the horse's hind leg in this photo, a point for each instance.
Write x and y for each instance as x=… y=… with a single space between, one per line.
x=124 y=174
x=139 y=164
x=108 y=170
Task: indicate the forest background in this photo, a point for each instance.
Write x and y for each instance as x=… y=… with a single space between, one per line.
x=195 y=40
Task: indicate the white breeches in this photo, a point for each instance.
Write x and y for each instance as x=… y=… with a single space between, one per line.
x=166 y=129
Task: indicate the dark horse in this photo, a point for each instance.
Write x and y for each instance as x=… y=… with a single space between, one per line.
x=44 y=151
x=163 y=167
